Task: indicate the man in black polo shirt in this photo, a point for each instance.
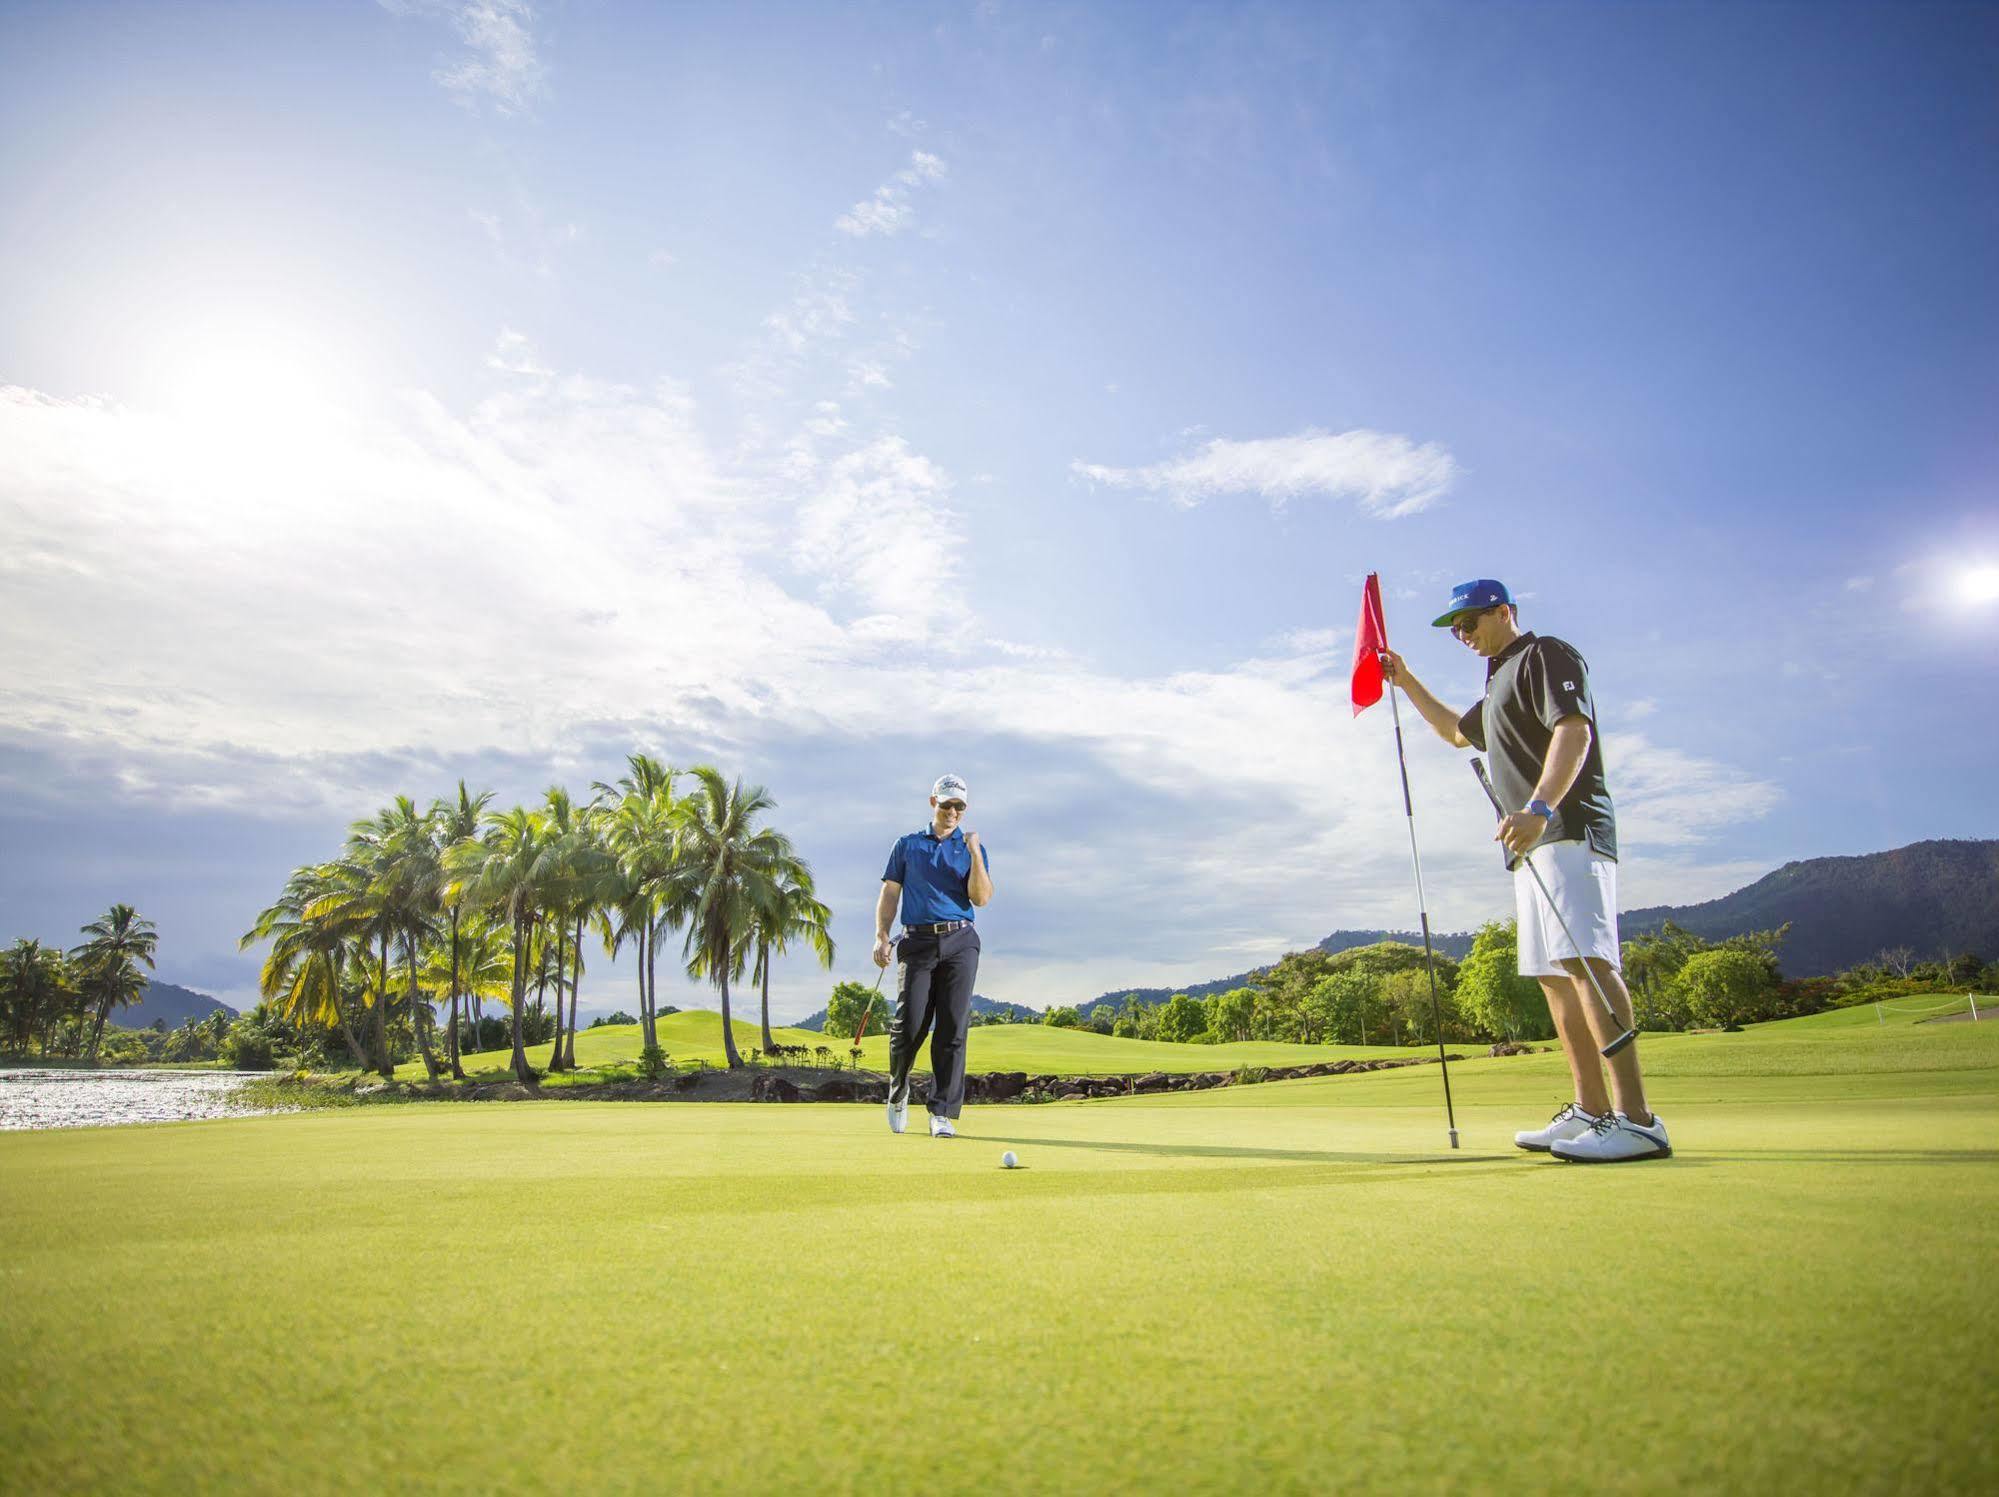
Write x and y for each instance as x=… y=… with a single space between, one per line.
x=937 y=874
x=1537 y=725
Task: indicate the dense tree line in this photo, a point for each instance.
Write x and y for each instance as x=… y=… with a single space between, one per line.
x=462 y=905
x=1380 y=994
x=58 y=1001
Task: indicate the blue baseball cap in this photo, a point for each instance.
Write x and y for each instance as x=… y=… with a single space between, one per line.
x=1466 y=596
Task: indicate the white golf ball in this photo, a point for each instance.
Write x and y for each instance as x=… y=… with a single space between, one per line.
x=1009 y=1160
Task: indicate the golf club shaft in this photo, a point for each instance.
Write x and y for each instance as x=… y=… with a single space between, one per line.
x=861 y=1029
x=1625 y=1035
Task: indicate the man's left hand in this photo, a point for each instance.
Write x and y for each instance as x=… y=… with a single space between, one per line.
x=1520 y=831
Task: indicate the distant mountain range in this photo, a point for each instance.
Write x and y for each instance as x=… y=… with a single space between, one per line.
x=1936 y=898
x=165 y=1001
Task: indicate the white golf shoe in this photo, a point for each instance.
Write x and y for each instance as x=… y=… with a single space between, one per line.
x=940 y=1126
x=1570 y=1122
x=1614 y=1139
x=898 y=1114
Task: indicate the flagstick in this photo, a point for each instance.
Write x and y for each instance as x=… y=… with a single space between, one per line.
x=1423 y=908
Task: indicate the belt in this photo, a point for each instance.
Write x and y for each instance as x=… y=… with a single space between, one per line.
x=941 y=928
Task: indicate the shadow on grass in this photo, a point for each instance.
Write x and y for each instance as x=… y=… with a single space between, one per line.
x=1853 y=1156
x=1218 y=1151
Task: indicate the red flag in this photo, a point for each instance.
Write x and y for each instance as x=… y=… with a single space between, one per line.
x=1369 y=641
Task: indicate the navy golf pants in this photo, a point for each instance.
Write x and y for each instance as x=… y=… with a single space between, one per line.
x=934 y=977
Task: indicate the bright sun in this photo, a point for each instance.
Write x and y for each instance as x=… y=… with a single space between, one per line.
x=1978 y=584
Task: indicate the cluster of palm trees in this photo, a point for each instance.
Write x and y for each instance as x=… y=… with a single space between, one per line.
x=462 y=903
x=46 y=992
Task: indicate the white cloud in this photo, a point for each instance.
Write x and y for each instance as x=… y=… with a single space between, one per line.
x=876 y=532
x=891 y=210
x=1385 y=474
x=514 y=354
x=1859 y=584
x=503 y=65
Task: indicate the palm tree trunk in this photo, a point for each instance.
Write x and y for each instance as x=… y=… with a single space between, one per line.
x=575 y=985
x=457 y=1066
x=420 y=1020
x=97 y=1033
x=540 y=973
x=340 y=1012
x=523 y=1072
x=728 y=1027
x=382 y=1016
x=649 y=970
x=763 y=975
x=561 y=961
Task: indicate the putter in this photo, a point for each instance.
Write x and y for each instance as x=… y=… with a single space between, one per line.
x=861 y=1029
x=1625 y=1036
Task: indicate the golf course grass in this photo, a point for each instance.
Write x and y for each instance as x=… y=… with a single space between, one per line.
x=1296 y=1286
x=696 y=1034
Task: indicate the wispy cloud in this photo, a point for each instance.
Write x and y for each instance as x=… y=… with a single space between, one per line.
x=1385 y=474
x=514 y=354
x=891 y=209
x=502 y=65
x=876 y=531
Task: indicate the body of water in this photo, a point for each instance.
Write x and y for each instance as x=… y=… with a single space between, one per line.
x=96 y=1099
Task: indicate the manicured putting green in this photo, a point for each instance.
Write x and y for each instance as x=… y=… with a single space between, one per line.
x=1287 y=1287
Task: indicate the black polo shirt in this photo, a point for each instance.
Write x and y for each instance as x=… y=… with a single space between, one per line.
x=1529 y=687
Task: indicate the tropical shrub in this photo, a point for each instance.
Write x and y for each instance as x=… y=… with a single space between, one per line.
x=1727 y=985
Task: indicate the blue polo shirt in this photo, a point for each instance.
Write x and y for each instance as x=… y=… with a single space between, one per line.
x=933 y=873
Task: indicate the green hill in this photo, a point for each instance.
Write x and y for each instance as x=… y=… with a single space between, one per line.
x=1034 y=1048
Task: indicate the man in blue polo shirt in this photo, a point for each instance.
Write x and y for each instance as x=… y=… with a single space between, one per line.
x=1537 y=725
x=937 y=875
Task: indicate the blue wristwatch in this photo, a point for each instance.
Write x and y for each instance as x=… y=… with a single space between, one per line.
x=1543 y=809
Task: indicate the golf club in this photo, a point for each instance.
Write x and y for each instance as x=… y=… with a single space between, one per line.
x=861 y=1029
x=1625 y=1036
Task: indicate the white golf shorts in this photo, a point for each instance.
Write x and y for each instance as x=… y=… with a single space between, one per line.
x=1583 y=885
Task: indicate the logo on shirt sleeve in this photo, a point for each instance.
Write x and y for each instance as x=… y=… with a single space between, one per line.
x=1568 y=686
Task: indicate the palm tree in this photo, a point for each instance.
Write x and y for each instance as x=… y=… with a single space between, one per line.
x=120 y=939
x=508 y=872
x=638 y=834
x=409 y=879
x=725 y=877
x=359 y=898
x=304 y=971
x=33 y=983
x=455 y=822
x=795 y=915
x=481 y=967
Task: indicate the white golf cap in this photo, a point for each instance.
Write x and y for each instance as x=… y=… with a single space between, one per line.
x=950 y=787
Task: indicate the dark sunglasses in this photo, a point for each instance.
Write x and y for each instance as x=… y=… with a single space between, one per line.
x=950 y=805
x=1464 y=623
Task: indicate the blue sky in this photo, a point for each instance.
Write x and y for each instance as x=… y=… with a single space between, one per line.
x=410 y=390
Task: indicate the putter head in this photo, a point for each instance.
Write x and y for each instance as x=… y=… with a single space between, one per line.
x=1620 y=1042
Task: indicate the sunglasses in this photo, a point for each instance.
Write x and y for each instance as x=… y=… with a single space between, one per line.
x=950 y=805
x=1464 y=623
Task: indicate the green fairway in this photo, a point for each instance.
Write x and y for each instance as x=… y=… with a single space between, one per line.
x=1035 y=1048
x=1290 y=1287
